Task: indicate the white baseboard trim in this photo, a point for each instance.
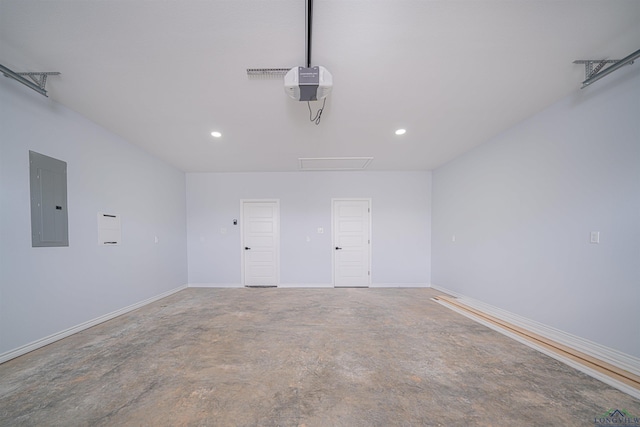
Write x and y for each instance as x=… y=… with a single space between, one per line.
x=215 y=285
x=310 y=285
x=614 y=357
x=399 y=285
x=12 y=354
x=306 y=285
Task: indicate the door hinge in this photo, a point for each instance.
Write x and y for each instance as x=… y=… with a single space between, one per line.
x=369 y=210
x=368 y=273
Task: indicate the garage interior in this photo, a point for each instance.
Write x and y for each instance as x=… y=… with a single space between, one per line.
x=449 y=234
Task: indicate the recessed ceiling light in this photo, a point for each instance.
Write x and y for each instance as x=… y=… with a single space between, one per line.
x=216 y=134
x=401 y=131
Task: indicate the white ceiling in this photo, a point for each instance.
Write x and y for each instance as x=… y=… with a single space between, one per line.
x=163 y=74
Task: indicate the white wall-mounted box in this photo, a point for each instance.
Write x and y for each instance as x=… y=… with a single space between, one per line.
x=109 y=229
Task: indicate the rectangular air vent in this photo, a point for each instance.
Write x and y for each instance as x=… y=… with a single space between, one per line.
x=334 y=163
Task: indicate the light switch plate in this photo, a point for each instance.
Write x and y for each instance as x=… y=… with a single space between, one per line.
x=595 y=237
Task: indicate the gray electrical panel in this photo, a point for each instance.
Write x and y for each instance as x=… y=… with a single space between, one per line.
x=49 y=220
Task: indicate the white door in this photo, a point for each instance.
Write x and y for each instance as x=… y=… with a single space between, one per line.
x=351 y=242
x=260 y=242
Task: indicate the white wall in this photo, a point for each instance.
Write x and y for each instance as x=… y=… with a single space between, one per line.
x=44 y=291
x=522 y=208
x=401 y=218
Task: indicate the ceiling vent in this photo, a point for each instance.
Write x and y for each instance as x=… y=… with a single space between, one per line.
x=334 y=163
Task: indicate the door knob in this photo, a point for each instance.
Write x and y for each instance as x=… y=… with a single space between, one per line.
x=246 y=248
x=337 y=248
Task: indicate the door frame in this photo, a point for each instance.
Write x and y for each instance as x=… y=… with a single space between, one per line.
x=333 y=235
x=277 y=236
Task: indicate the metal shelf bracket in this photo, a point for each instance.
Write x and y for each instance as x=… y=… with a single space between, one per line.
x=38 y=79
x=594 y=69
x=592 y=66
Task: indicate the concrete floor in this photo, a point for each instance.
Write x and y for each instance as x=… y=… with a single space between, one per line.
x=297 y=357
